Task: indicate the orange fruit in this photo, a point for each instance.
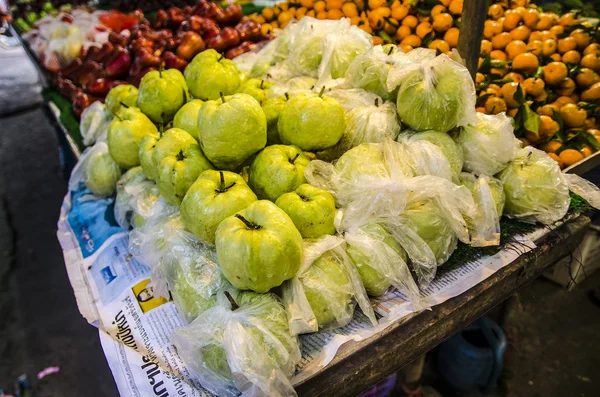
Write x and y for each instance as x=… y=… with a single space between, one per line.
x=593 y=48
x=374 y=4
x=423 y=29
x=568 y=19
x=500 y=41
x=531 y=17
x=451 y=37
x=566 y=44
x=572 y=115
x=491 y=28
x=355 y=20
x=527 y=62
x=515 y=48
x=555 y=72
x=412 y=40
x=570 y=157
x=312 y=13
x=508 y=91
x=390 y=26
x=365 y=27
x=591 y=61
x=512 y=112
x=586 y=151
x=267 y=13
x=511 y=20
x=495 y=11
x=546 y=20
x=548 y=35
x=495 y=105
x=552 y=146
x=534 y=86
x=456 y=7
x=498 y=55
x=334 y=4
x=423 y=18
x=322 y=15
x=515 y=77
x=535 y=47
x=479 y=78
x=438 y=9
x=586 y=78
x=402 y=32
x=440 y=45
x=399 y=12
x=442 y=22
x=520 y=33
x=445 y=3
x=556 y=57
x=350 y=9
x=554 y=157
x=592 y=93
x=480 y=109
x=548 y=128
x=493 y=89
x=335 y=13
x=582 y=38
x=563 y=100
x=406 y=48
x=486 y=45
x=535 y=35
x=524 y=142
x=549 y=47
x=500 y=71
x=572 y=57
x=547 y=109
x=557 y=30
x=377 y=40
x=411 y=21
x=320 y=6
x=566 y=87
x=308 y=4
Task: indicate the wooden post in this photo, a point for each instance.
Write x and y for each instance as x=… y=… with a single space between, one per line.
x=471 y=29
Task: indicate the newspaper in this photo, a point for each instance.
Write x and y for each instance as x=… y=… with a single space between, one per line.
x=113 y=292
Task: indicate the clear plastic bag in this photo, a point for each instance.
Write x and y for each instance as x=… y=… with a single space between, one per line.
x=241 y=345
x=489 y=144
x=536 y=189
x=352 y=98
x=100 y=172
x=292 y=86
x=138 y=200
x=370 y=70
x=339 y=50
x=489 y=197
x=433 y=93
x=324 y=292
x=95 y=120
x=584 y=188
x=452 y=151
x=179 y=263
x=370 y=124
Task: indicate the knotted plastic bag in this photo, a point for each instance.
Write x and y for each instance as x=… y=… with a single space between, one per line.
x=452 y=151
x=295 y=85
x=433 y=93
x=370 y=70
x=326 y=289
x=138 y=200
x=95 y=120
x=536 y=190
x=339 y=50
x=489 y=197
x=179 y=263
x=489 y=144
x=242 y=344
x=100 y=172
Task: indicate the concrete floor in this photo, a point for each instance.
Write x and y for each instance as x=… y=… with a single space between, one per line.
x=557 y=351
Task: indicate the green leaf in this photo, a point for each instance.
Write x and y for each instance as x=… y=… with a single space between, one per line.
x=486 y=65
x=481 y=100
x=519 y=95
x=528 y=120
x=428 y=39
x=591 y=140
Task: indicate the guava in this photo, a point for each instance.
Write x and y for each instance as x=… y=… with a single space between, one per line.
x=370 y=124
x=312 y=122
x=146 y=149
x=122 y=94
x=452 y=151
x=276 y=170
x=535 y=188
x=311 y=209
x=231 y=130
x=259 y=247
x=257 y=89
x=210 y=75
x=363 y=160
x=214 y=196
x=370 y=70
x=272 y=108
x=186 y=117
x=470 y=181
x=124 y=134
x=161 y=94
x=101 y=172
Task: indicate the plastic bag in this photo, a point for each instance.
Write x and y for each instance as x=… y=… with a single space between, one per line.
x=179 y=262
x=370 y=124
x=95 y=120
x=100 y=172
x=433 y=94
x=138 y=200
x=422 y=157
x=292 y=86
x=370 y=70
x=536 y=189
x=352 y=98
x=243 y=344
x=489 y=197
x=452 y=151
x=584 y=188
x=339 y=50
x=324 y=292
x=488 y=144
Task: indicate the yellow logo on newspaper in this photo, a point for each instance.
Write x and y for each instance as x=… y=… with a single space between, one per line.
x=145 y=296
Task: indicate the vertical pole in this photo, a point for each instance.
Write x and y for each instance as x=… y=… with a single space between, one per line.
x=471 y=30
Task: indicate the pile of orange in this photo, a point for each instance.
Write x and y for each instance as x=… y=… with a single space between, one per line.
x=538 y=67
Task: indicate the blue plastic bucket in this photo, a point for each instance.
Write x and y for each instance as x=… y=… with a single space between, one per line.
x=472 y=358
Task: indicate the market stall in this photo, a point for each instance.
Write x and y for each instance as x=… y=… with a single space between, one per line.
x=303 y=210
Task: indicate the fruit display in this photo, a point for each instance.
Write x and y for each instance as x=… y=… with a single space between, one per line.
x=25 y=13
x=537 y=64
x=284 y=196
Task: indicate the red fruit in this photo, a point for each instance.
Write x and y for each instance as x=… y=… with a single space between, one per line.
x=119 y=65
x=229 y=37
x=239 y=50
